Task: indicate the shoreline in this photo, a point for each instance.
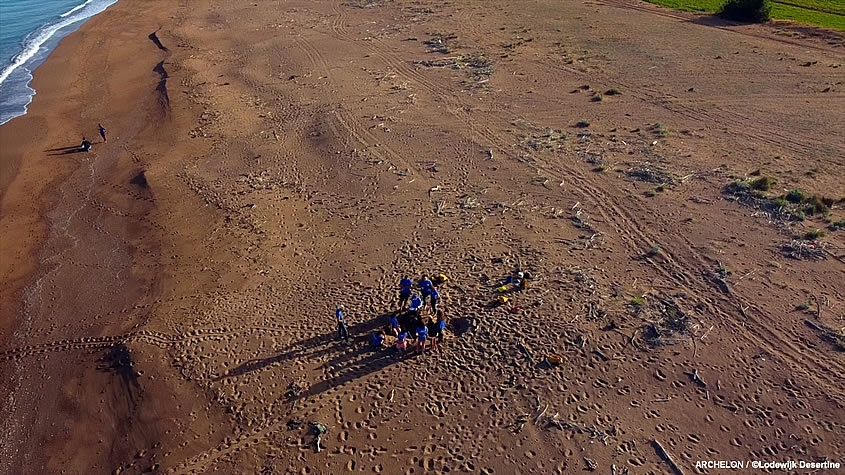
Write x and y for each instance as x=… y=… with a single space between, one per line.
x=77 y=246
x=48 y=36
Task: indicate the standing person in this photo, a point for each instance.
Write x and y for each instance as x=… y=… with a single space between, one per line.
x=102 y=132
x=433 y=333
x=342 y=329
x=425 y=285
x=422 y=336
x=404 y=291
x=440 y=324
x=402 y=341
x=435 y=300
x=393 y=324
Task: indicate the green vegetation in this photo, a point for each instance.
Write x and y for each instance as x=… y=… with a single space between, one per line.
x=814 y=234
x=755 y=11
x=794 y=205
x=764 y=183
x=795 y=196
x=825 y=13
x=659 y=130
x=838 y=225
x=613 y=92
x=638 y=301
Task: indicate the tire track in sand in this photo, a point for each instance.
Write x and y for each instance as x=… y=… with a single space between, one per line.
x=626 y=225
x=349 y=121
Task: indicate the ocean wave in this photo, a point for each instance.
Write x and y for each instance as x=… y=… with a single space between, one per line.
x=34 y=40
x=75 y=8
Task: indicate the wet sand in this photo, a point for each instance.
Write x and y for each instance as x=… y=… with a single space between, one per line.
x=267 y=161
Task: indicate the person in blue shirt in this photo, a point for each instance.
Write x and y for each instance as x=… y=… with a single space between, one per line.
x=437 y=331
x=416 y=304
x=435 y=299
x=378 y=340
x=393 y=323
x=404 y=292
x=425 y=286
x=422 y=336
x=342 y=329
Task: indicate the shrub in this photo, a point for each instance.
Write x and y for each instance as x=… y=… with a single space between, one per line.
x=817 y=205
x=752 y=11
x=814 y=234
x=764 y=183
x=582 y=124
x=780 y=202
x=795 y=196
x=613 y=92
x=736 y=188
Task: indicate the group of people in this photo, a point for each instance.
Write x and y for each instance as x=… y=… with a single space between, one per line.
x=417 y=323
x=85 y=146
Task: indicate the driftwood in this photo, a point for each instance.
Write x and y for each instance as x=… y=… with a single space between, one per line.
x=668 y=458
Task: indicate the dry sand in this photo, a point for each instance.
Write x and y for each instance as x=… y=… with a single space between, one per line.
x=268 y=160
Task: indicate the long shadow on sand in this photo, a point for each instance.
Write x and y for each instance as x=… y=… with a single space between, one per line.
x=64 y=150
x=318 y=347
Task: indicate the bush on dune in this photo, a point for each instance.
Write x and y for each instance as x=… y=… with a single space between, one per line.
x=753 y=11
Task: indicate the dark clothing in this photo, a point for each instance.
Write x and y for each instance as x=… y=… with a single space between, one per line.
x=103 y=133
x=342 y=331
x=433 y=330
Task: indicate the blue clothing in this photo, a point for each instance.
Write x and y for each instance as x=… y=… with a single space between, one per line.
x=422 y=333
x=339 y=314
x=406 y=282
x=416 y=303
x=435 y=295
x=441 y=325
x=403 y=336
x=405 y=291
x=378 y=339
x=425 y=284
x=394 y=322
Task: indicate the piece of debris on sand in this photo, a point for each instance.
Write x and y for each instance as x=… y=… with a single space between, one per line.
x=804 y=250
x=671 y=325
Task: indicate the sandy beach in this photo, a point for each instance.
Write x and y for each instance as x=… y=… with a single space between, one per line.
x=672 y=184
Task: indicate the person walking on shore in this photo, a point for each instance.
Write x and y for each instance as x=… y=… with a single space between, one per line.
x=102 y=132
x=342 y=329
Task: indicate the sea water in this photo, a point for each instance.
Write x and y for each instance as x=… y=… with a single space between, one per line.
x=29 y=31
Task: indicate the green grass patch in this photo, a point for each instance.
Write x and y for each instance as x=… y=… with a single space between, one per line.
x=814 y=234
x=824 y=13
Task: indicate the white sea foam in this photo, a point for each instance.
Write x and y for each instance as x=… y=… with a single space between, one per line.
x=75 y=8
x=35 y=40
